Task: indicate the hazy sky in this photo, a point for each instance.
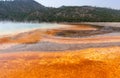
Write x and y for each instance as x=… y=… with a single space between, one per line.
x=101 y=3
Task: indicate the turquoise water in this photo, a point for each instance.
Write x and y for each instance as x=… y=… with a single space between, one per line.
x=13 y=27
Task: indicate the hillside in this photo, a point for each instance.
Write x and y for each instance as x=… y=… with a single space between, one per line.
x=18 y=10
x=86 y=13
x=30 y=10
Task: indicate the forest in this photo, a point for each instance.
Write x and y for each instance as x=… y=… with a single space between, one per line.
x=30 y=10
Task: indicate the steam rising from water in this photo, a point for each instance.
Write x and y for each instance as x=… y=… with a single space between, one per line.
x=13 y=27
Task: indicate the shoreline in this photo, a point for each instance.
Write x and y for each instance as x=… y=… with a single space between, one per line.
x=33 y=29
x=39 y=38
x=65 y=25
x=55 y=47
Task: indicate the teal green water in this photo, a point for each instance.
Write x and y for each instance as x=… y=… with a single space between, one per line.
x=13 y=27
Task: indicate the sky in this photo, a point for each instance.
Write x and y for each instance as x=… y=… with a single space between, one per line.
x=115 y=4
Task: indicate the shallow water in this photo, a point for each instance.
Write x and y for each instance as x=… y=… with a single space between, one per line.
x=112 y=24
x=15 y=27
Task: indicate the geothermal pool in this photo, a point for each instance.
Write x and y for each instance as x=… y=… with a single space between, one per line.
x=16 y=27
